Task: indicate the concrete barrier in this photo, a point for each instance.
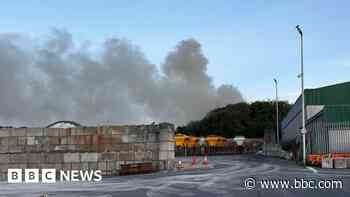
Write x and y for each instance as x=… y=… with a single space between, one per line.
x=102 y=147
x=340 y=163
x=327 y=163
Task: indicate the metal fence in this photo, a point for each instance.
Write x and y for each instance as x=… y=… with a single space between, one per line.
x=324 y=137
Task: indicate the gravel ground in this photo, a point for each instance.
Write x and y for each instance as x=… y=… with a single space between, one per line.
x=225 y=176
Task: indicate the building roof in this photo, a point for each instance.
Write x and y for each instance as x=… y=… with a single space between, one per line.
x=335 y=98
x=336 y=94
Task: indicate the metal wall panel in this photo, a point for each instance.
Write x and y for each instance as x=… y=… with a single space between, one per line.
x=337 y=113
x=317 y=136
x=339 y=137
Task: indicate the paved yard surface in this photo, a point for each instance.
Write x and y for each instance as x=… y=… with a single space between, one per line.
x=226 y=177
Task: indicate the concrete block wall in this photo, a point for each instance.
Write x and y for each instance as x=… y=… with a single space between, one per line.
x=104 y=147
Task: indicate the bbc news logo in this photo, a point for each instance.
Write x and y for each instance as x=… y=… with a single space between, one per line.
x=52 y=175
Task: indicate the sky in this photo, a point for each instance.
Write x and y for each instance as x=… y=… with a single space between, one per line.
x=247 y=43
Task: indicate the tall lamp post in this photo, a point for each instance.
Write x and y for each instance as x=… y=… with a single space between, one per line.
x=277 y=119
x=303 y=129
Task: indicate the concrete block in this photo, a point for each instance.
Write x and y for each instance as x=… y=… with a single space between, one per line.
x=34 y=132
x=41 y=140
x=82 y=139
x=4 y=149
x=5 y=132
x=340 y=163
x=116 y=131
x=77 y=131
x=4 y=158
x=48 y=166
x=65 y=132
x=89 y=157
x=65 y=140
x=163 y=155
x=126 y=156
x=152 y=137
x=60 y=148
x=18 y=158
x=22 y=140
x=4 y=141
x=76 y=166
x=102 y=165
x=52 y=132
x=117 y=165
x=109 y=156
x=84 y=165
x=152 y=146
x=139 y=156
x=4 y=167
x=105 y=139
x=88 y=139
x=87 y=148
x=140 y=147
x=54 y=140
x=13 y=141
x=106 y=130
x=96 y=139
x=35 y=158
x=129 y=138
x=66 y=166
x=55 y=158
x=104 y=148
x=93 y=165
x=34 y=165
x=58 y=166
x=66 y=148
x=126 y=147
x=166 y=146
x=33 y=148
x=111 y=167
x=71 y=148
x=327 y=163
x=15 y=149
x=116 y=139
x=90 y=131
x=71 y=157
x=116 y=147
x=148 y=155
x=18 y=132
x=30 y=141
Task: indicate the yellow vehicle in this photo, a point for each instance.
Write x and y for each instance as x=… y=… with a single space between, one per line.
x=181 y=140
x=215 y=141
x=192 y=142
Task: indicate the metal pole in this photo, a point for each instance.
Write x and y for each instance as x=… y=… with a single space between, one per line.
x=277 y=118
x=303 y=129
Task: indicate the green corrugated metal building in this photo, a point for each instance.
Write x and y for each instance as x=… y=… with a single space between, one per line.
x=327 y=120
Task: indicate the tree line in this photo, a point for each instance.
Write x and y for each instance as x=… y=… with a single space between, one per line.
x=248 y=119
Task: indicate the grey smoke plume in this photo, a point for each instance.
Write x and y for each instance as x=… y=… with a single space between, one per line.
x=45 y=80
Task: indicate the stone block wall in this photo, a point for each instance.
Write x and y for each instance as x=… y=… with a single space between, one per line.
x=101 y=148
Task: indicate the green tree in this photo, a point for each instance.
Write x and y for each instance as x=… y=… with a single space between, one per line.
x=250 y=120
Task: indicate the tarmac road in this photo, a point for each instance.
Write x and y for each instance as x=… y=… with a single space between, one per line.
x=226 y=178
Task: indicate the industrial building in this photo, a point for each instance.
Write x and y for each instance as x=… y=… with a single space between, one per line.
x=327 y=111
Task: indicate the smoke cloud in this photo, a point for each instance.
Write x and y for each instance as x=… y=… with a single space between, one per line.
x=52 y=78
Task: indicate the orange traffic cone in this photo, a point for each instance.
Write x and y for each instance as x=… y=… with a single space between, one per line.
x=205 y=162
x=194 y=160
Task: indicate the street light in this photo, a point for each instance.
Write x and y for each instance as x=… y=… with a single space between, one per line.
x=303 y=129
x=277 y=119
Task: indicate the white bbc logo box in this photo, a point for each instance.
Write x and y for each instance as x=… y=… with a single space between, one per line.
x=31 y=176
